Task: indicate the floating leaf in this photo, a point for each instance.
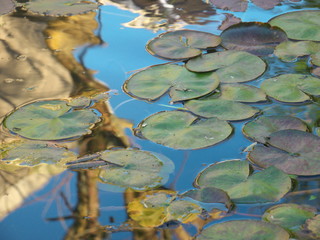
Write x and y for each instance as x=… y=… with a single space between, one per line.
x=227 y=106
x=80 y=102
x=181 y=44
x=34 y=153
x=289 y=51
x=267 y=4
x=182 y=130
x=7 y=6
x=220 y=108
x=289 y=216
x=230 y=66
x=315 y=58
x=300 y=25
x=60 y=7
x=233 y=177
x=256 y=38
x=291 y=87
x=50 y=120
x=151 y=210
x=153 y=82
x=292 y=151
x=244 y=230
x=209 y=195
x=231 y=5
x=261 y=128
x=134 y=168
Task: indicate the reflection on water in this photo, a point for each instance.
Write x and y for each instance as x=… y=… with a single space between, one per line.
x=37 y=62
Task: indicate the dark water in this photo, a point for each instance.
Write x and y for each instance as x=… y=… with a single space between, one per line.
x=94 y=53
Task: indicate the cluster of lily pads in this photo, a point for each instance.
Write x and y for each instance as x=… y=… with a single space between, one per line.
x=209 y=80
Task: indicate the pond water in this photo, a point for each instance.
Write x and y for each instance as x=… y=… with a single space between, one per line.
x=82 y=55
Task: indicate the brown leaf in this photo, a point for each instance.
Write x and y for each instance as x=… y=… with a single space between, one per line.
x=232 y=5
x=229 y=21
x=267 y=4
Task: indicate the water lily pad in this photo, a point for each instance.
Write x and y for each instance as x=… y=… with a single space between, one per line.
x=181 y=44
x=60 y=7
x=231 y=5
x=291 y=87
x=50 y=120
x=261 y=128
x=312 y=227
x=300 y=25
x=315 y=58
x=229 y=21
x=182 y=130
x=155 y=208
x=135 y=169
x=230 y=66
x=253 y=37
x=220 y=108
x=289 y=216
x=292 y=151
x=289 y=51
x=227 y=106
x=209 y=195
x=33 y=153
x=233 y=177
x=153 y=82
x=244 y=230
x=267 y=4
x=7 y=6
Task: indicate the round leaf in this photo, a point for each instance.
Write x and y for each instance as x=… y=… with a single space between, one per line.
x=181 y=44
x=231 y=5
x=244 y=230
x=289 y=216
x=315 y=58
x=220 y=108
x=34 y=153
x=261 y=128
x=313 y=227
x=300 y=25
x=134 y=168
x=253 y=37
x=242 y=93
x=233 y=177
x=230 y=66
x=182 y=130
x=291 y=87
x=50 y=120
x=60 y=7
x=153 y=82
x=289 y=51
x=292 y=151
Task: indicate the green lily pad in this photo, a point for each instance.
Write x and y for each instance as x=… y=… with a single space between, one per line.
x=153 y=82
x=135 y=169
x=220 y=108
x=315 y=59
x=181 y=44
x=256 y=38
x=292 y=151
x=244 y=230
x=60 y=7
x=230 y=66
x=242 y=93
x=50 y=120
x=289 y=51
x=182 y=130
x=34 y=153
x=7 y=6
x=261 y=128
x=289 y=216
x=209 y=195
x=300 y=25
x=233 y=177
x=155 y=208
x=227 y=106
x=291 y=87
